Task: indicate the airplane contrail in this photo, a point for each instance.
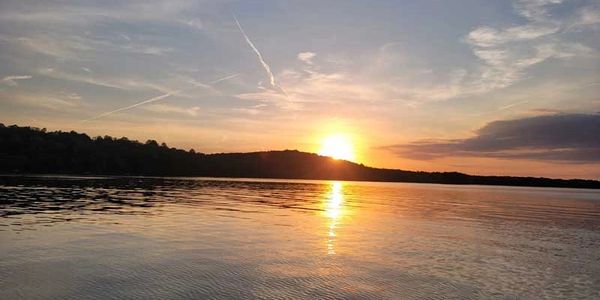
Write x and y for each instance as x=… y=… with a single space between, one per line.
x=154 y=99
x=158 y=98
x=260 y=57
x=225 y=78
x=208 y=86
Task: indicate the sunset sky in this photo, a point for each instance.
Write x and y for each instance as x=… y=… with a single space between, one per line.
x=483 y=87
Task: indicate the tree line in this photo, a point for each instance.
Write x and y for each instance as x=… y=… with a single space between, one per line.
x=29 y=150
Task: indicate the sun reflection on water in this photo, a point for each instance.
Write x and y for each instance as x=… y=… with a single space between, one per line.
x=333 y=211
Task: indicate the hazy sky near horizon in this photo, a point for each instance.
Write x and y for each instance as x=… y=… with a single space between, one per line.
x=485 y=87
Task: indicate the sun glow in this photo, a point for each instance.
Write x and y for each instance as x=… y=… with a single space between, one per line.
x=338 y=146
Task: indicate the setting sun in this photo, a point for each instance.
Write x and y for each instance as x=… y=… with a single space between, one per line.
x=299 y=149
x=337 y=146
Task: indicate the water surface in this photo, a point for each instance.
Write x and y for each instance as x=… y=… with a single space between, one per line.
x=182 y=238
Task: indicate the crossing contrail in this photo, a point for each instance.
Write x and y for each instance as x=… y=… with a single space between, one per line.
x=260 y=57
x=225 y=78
x=209 y=85
x=161 y=97
x=154 y=99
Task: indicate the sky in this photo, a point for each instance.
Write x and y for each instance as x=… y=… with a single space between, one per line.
x=483 y=87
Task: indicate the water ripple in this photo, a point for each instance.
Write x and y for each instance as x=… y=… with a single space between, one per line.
x=188 y=238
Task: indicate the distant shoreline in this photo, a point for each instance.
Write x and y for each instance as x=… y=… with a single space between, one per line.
x=31 y=151
x=262 y=179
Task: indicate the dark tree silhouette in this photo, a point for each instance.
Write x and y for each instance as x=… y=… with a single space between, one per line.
x=27 y=150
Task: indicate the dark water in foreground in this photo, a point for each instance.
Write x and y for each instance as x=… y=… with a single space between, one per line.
x=145 y=238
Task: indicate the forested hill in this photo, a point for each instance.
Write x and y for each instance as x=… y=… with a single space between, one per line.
x=26 y=150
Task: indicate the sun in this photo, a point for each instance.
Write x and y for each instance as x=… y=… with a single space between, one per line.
x=338 y=146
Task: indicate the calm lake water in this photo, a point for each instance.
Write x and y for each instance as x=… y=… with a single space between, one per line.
x=152 y=238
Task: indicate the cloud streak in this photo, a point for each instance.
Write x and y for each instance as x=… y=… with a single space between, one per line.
x=166 y=108
x=153 y=99
x=258 y=54
x=558 y=137
x=12 y=80
x=161 y=97
x=224 y=78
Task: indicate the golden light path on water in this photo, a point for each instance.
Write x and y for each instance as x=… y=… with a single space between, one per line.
x=333 y=211
x=130 y=237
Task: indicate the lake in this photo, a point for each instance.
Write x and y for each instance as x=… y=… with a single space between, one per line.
x=202 y=238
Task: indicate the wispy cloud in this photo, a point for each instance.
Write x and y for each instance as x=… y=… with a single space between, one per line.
x=57 y=74
x=208 y=86
x=535 y=10
x=511 y=105
x=83 y=13
x=12 y=79
x=224 y=78
x=55 y=101
x=75 y=47
x=506 y=53
x=157 y=98
x=118 y=83
x=153 y=99
x=166 y=108
x=307 y=57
